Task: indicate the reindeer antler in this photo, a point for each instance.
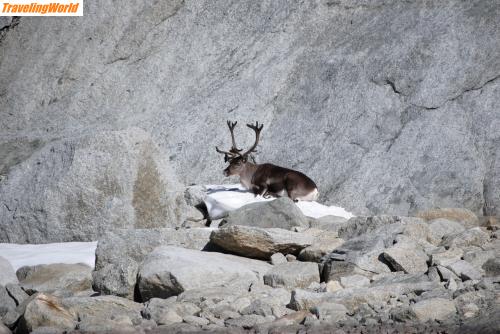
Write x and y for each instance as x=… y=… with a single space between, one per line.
x=234 y=151
x=257 y=130
x=231 y=126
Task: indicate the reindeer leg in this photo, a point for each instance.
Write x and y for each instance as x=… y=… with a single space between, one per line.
x=256 y=190
x=267 y=194
x=292 y=195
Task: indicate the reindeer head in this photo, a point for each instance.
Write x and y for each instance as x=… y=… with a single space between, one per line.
x=237 y=160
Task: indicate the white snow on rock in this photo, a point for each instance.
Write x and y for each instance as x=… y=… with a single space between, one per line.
x=63 y=252
x=223 y=198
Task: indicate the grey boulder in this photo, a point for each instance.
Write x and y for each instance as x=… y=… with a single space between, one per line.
x=17 y=293
x=279 y=213
x=169 y=271
x=465 y=270
x=440 y=228
x=293 y=275
x=6 y=302
x=259 y=242
x=330 y=311
x=323 y=245
x=492 y=267
x=168 y=311
x=44 y=310
x=102 y=313
x=7 y=273
x=4 y=329
x=433 y=309
x=120 y=252
x=58 y=279
x=77 y=189
x=471 y=237
x=406 y=257
x=328 y=223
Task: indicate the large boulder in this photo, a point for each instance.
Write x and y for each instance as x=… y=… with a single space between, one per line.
x=6 y=302
x=77 y=189
x=120 y=252
x=4 y=329
x=56 y=279
x=406 y=257
x=433 y=309
x=293 y=275
x=280 y=213
x=7 y=273
x=168 y=271
x=44 y=310
x=260 y=243
x=104 y=312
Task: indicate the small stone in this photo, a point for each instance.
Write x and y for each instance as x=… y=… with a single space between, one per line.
x=7 y=273
x=464 y=270
x=193 y=214
x=194 y=320
x=354 y=281
x=446 y=274
x=411 y=260
x=433 y=274
x=57 y=279
x=433 y=309
x=17 y=293
x=292 y=275
x=324 y=244
x=278 y=258
x=44 y=310
x=311 y=320
x=291 y=258
x=452 y=285
x=168 y=317
x=48 y=330
x=246 y=321
x=6 y=302
x=492 y=267
x=471 y=237
x=479 y=257
x=4 y=329
x=333 y=286
x=447 y=257
x=330 y=311
x=470 y=310
x=316 y=286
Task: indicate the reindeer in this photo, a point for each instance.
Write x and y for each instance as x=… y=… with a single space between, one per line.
x=266 y=179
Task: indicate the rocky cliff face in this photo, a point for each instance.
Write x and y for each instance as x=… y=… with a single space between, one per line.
x=390 y=106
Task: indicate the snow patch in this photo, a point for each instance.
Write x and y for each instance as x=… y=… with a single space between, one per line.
x=63 y=252
x=224 y=198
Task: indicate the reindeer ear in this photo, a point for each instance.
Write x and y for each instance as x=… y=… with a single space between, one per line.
x=226 y=158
